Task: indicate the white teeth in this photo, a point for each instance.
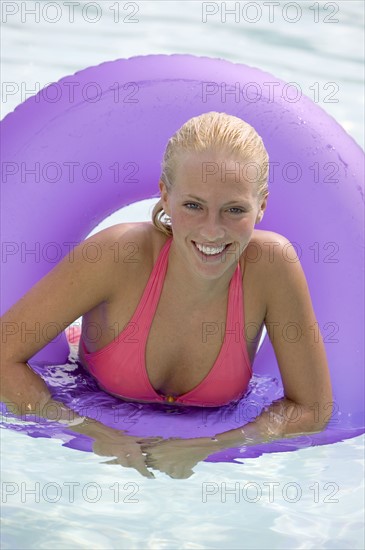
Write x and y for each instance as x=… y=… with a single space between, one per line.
x=209 y=250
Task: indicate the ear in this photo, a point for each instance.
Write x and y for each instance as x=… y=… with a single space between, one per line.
x=262 y=209
x=164 y=197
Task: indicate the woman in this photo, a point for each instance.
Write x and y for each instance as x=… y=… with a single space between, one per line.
x=183 y=302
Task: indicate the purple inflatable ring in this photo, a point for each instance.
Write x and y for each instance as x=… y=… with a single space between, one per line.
x=92 y=143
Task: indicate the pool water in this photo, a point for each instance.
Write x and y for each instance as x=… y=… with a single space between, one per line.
x=58 y=497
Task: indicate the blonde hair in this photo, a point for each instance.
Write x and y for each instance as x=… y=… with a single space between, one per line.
x=207 y=132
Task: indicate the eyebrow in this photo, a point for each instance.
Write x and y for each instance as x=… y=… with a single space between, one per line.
x=225 y=204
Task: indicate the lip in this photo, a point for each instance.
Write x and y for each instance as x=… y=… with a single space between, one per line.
x=211 y=257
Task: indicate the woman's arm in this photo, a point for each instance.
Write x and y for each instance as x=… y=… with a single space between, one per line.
x=299 y=349
x=73 y=287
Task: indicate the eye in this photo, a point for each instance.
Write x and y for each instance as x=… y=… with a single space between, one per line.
x=238 y=210
x=188 y=204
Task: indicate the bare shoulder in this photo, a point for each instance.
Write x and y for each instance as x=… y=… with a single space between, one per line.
x=278 y=256
x=267 y=246
x=285 y=288
x=265 y=253
x=133 y=247
x=121 y=232
x=143 y=235
x=272 y=265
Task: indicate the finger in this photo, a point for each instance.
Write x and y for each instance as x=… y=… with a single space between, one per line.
x=138 y=463
x=147 y=449
x=141 y=467
x=150 y=460
x=145 y=472
x=180 y=476
x=180 y=473
x=127 y=463
x=148 y=440
x=151 y=454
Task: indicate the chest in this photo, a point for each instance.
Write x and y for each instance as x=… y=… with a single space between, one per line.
x=184 y=341
x=183 y=345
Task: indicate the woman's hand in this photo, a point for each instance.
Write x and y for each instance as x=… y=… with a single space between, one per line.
x=126 y=449
x=176 y=457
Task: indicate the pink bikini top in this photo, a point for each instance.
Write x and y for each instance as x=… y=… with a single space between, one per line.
x=120 y=369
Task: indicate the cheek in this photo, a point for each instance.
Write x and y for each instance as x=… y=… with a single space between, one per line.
x=180 y=220
x=242 y=225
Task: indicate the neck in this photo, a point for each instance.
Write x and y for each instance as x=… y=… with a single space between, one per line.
x=192 y=288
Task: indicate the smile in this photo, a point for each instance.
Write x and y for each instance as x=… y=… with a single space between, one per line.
x=210 y=250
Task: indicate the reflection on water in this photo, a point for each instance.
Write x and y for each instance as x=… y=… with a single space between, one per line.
x=306 y=499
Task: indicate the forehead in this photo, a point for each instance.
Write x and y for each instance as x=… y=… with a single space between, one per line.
x=215 y=170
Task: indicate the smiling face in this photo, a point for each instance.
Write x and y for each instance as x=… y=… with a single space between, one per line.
x=213 y=203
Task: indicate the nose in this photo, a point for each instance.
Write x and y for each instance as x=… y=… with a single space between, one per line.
x=212 y=229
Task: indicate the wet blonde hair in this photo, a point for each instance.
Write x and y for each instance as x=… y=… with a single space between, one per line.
x=212 y=131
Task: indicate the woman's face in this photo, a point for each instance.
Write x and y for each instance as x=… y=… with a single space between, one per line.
x=213 y=202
